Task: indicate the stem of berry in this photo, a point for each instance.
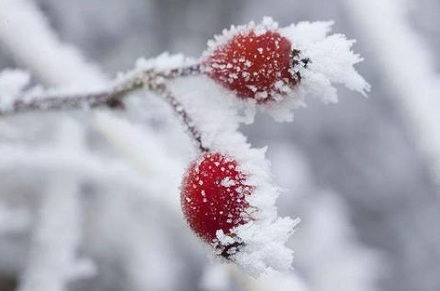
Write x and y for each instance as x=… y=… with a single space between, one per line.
x=162 y=90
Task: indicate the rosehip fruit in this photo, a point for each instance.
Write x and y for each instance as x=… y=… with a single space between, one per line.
x=213 y=196
x=255 y=66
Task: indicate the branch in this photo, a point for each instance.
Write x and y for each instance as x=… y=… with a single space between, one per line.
x=111 y=98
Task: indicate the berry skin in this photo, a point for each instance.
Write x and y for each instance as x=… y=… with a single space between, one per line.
x=254 y=66
x=213 y=196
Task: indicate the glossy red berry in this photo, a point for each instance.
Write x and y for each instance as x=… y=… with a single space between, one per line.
x=213 y=196
x=255 y=66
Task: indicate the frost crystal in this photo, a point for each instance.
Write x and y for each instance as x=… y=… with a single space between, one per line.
x=331 y=61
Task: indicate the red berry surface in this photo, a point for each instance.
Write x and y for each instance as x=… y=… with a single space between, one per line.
x=253 y=65
x=213 y=195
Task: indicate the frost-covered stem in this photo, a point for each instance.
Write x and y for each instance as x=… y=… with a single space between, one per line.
x=111 y=97
x=55 y=102
x=183 y=115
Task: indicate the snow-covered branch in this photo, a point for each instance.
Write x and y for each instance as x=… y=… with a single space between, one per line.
x=146 y=78
x=54 y=99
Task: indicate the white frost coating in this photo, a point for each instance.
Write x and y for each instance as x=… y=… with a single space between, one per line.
x=331 y=62
x=26 y=32
x=267 y=24
x=408 y=68
x=12 y=82
x=227 y=182
x=215 y=116
x=164 y=62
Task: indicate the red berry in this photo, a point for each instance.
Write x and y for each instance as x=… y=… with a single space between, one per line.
x=213 y=196
x=253 y=65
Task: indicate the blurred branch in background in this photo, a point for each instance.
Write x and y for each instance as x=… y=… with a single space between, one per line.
x=27 y=34
x=53 y=261
x=408 y=69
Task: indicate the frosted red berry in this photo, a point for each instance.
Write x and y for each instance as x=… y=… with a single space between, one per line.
x=253 y=65
x=213 y=196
